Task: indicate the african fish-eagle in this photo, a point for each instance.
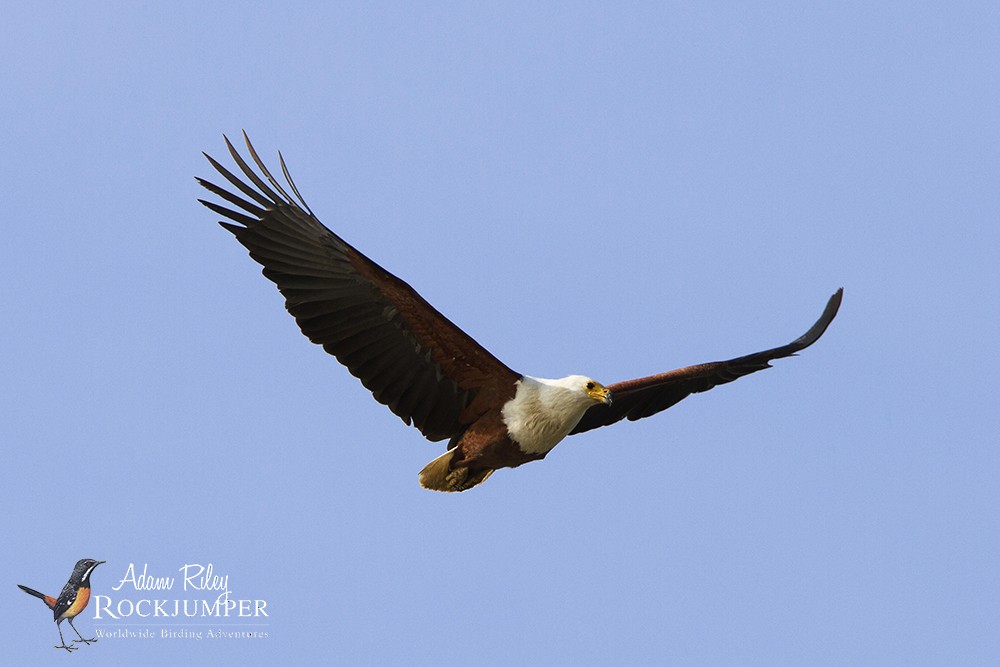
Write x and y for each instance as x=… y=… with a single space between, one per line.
x=424 y=368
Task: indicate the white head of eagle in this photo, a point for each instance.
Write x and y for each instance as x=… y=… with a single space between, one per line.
x=543 y=412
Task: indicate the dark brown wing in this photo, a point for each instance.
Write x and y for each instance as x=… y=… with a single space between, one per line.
x=66 y=599
x=635 y=399
x=427 y=370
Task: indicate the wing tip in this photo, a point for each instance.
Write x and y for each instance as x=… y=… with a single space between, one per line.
x=236 y=230
x=821 y=325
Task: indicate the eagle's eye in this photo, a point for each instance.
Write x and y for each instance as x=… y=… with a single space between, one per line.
x=590 y=386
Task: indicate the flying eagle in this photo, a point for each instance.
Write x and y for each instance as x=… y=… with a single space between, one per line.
x=425 y=369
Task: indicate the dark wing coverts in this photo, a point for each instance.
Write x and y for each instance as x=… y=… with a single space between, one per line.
x=635 y=399
x=413 y=359
x=67 y=596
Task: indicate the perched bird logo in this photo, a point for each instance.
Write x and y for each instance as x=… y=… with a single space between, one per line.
x=71 y=601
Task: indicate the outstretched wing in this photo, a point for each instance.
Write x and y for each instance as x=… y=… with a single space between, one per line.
x=635 y=399
x=414 y=360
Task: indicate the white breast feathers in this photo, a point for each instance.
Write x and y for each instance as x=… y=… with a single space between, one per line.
x=543 y=412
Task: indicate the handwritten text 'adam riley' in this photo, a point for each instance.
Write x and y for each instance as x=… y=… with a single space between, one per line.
x=194 y=577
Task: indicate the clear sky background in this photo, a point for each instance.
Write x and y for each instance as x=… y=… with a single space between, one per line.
x=613 y=191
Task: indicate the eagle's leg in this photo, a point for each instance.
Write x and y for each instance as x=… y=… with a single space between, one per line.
x=438 y=475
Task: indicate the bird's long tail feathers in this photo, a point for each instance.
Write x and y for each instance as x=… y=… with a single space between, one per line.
x=438 y=475
x=31 y=591
x=47 y=599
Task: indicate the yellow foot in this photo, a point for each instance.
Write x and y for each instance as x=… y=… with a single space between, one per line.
x=461 y=479
x=438 y=476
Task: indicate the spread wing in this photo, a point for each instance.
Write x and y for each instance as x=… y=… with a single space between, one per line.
x=414 y=360
x=635 y=399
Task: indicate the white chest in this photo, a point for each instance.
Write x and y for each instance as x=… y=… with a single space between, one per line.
x=542 y=413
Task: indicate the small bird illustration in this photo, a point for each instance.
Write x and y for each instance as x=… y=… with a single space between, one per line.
x=71 y=601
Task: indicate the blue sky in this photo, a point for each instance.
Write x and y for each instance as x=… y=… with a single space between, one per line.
x=583 y=188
